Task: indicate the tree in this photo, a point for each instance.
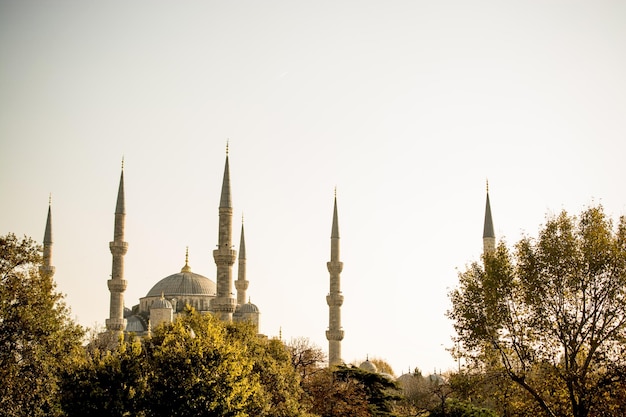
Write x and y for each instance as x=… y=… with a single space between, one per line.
x=196 y=365
x=107 y=382
x=198 y=370
x=383 y=366
x=490 y=388
x=380 y=391
x=37 y=337
x=455 y=408
x=280 y=391
x=306 y=357
x=552 y=313
x=350 y=391
x=333 y=397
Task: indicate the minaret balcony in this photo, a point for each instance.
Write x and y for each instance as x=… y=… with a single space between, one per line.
x=224 y=257
x=334 y=300
x=334 y=334
x=116 y=324
x=117 y=285
x=118 y=248
x=334 y=267
x=241 y=284
x=223 y=304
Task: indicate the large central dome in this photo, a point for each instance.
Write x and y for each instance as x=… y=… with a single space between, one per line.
x=183 y=283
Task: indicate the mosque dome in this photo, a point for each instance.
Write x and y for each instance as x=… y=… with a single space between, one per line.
x=405 y=379
x=161 y=303
x=248 y=308
x=368 y=366
x=183 y=283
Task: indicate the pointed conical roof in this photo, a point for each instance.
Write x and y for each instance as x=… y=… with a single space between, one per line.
x=242 y=244
x=120 y=207
x=47 y=237
x=225 y=200
x=488 y=228
x=335 y=230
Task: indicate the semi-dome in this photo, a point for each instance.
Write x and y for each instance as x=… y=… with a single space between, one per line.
x=161 y=303
x=183 y=283
x=136 y=324
x=248 y=308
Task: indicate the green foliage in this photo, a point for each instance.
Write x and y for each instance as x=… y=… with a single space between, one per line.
x=379 y=390
x=195 y=366
x=333 y=397
x=279 y=380
x=456 y=408
x=551 y=315
x=350 y=391
x=107 y=382
x=37 y=337
x=197 y=370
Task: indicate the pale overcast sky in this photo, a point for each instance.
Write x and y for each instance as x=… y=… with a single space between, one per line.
x=405 y=106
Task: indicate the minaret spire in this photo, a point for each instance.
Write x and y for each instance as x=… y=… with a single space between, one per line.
x=46 y=269
x=117 y=284
x=241 y=284
x=334 y=299
x=225 y=199
x=224 y=304
x=489 y=236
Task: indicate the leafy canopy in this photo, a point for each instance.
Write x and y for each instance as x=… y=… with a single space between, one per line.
x=38 y=339
x=552 y=312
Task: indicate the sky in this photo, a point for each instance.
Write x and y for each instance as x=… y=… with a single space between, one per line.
x=405 y=107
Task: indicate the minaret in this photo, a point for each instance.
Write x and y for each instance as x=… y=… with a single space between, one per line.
x=224 y=304
x=334 y=299
x=117 y=285
x=489 y=236
x=241 y=284
x=46 y=269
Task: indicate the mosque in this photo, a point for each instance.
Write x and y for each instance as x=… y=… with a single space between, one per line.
x=172 y=294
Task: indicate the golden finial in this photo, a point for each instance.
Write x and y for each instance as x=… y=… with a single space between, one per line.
x=122 y=162
x=280 y=333
x=186 y=268
x=227 y=140
x=50 y=199
x=487 y=185
x=242 y=218
x=335 y=191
